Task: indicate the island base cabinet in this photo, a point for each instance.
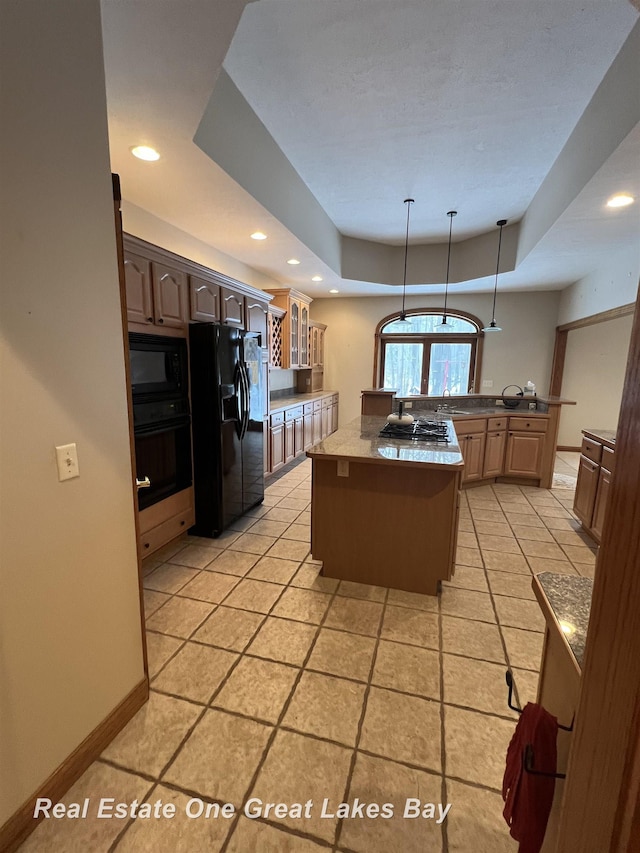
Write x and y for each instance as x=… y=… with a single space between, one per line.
x=384 y=525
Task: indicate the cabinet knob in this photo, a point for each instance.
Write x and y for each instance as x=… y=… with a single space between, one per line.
x=146 y=544
x=149 y=319
x=182 y=524
x=160 y=320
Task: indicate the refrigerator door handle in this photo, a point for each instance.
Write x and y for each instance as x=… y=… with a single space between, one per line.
x=238 y=387
x=245 y=400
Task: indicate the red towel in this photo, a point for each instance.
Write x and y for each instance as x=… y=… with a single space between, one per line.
x=528 y=798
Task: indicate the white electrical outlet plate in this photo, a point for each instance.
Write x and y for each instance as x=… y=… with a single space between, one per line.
x=487 y=383
x=408 y=405
x=67 y=458
x=343 y=467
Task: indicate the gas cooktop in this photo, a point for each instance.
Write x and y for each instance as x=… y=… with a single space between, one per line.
x=420 y=430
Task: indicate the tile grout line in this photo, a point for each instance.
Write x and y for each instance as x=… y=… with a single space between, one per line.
x=365 y=700
x=276 y=727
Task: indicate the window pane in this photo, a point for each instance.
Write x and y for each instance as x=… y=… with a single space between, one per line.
x=421 y=323
x=403 y=368
x=449 y=369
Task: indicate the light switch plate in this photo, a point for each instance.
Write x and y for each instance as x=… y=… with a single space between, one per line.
x=487 y=383
x=67 y=458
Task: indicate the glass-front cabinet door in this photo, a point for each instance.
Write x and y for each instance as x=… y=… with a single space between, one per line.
x=294 y=331
x=304 y=336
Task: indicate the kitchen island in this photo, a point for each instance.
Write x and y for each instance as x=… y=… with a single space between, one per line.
x=384 y=511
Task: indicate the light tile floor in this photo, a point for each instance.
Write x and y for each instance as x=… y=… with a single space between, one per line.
x=271 y=681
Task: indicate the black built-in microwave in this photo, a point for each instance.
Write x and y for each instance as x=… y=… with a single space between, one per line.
x=158 y=366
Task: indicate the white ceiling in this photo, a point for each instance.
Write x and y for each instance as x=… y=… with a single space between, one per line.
x=461 y=105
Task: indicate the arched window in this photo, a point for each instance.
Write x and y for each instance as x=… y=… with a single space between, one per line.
x=417 y=358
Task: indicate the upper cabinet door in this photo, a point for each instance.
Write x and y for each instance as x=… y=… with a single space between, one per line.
x=304 y=336
x=137 y=274
x=232 y=308
x=169 y=295
x=205 y=300
x=257 y=318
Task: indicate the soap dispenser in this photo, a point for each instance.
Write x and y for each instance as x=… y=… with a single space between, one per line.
x=530 y=388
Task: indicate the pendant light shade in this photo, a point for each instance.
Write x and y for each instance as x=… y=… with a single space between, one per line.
x=444 y=326
x=493 y=326
x=403 y=314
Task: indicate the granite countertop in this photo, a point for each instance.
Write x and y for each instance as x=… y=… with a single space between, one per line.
x=359 y=440
x=604 y=436
x=567 y=600
x=298 y=399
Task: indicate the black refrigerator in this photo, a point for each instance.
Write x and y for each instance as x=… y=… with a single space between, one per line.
x=227 y=409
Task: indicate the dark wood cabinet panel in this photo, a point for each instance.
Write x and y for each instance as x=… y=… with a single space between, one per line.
x=204 y=299
x=169 y=296
x=137 y=274
x=256 y=318
x=600 y=505
x=232 y=308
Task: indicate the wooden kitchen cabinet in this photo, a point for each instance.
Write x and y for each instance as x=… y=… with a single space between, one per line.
x=494 y=454
x=586 y=487
x=597 y=461
x=204 y=298
x=523 y=457
x=137 y=273
x=256 y=312
x=231 y=308
x=277 y=449
x=316 y=346
x=600 y=505
x=156 y=293
x=317 y=421
x=289 y=441
x=291 y=348
x=307 y=427
x=472 y=449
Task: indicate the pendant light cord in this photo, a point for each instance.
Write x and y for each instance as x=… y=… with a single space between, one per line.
x=450 y=214
x=501 y=223
x=408 y=202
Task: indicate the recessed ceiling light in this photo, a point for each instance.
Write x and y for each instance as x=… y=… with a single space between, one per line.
x=316 y=278
x=144 y=152
x=293 y=261
x=258 y=235
x=621 y=200
x=333 y=290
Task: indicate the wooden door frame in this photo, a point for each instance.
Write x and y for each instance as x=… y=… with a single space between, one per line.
x=117 y=199
x=601 y=806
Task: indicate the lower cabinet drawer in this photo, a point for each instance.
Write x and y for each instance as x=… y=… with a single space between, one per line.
x=496 y=424
x=528 y=424
x=592 y=450
x=317 y=405
x=293 y=414
x=158 y=536
x=474 y=425
x=308 y=408
x=277 y=418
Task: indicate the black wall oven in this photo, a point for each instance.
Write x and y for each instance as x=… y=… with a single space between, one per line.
x=161 y=417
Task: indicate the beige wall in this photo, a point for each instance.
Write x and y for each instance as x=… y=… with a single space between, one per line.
x=69 y=605
x=521 y=352
x=148 y=227
x=594 y=376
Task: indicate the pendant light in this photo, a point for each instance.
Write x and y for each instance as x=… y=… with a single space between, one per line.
x=444 y=326
x=403 y=313
x=493 y=326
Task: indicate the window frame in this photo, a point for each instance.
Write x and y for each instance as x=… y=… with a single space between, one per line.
x=427 y=339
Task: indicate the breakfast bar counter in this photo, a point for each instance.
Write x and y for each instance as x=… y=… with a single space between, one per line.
x=384 y=511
